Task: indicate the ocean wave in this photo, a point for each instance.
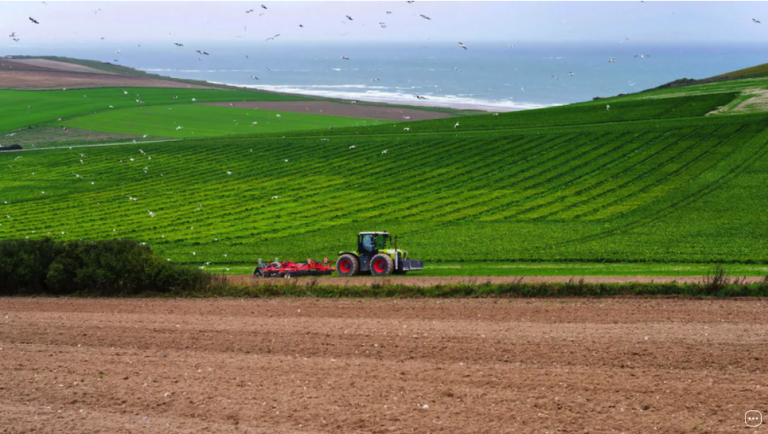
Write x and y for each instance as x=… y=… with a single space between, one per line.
x=376 y=95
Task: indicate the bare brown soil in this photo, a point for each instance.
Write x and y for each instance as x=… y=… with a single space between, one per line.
x=338 y=109
x=44 y=74
x=380 y=366
x=46 y=64
x=452 y=280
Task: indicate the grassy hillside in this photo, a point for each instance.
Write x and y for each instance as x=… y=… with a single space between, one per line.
x=668 y=189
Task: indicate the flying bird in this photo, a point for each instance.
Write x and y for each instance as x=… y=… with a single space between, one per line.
x=254 y=77
x=753 y=20
x=344 y=58
x=151 y=214
x=348 y=17
x=33 y=20
x=177 y=44
x=611 y=60
x=12 y=35
x=463 y=46
x=425 y=17
x=608 y=107
x=263 y=7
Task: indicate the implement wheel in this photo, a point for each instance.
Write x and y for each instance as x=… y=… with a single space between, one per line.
x=382 y=265
x=347 y=265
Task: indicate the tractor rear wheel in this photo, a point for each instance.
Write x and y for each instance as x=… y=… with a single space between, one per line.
x=347 y=265
x=382 y=264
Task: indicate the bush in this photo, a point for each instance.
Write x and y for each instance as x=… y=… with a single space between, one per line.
x=114 y=267
x=10 y=148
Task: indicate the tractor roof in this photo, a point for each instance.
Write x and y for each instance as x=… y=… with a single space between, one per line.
x=374 y=233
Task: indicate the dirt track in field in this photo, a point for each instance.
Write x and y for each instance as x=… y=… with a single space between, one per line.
x=338 y=109
x=379 y=366
x=452 y=280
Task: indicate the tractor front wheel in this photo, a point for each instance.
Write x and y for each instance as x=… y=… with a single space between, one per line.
x=347 y=265
x=382 y=264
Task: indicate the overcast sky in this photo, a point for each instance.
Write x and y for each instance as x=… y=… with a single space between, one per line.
x=469 y=22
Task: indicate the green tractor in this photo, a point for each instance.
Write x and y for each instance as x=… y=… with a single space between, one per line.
x=376 y=254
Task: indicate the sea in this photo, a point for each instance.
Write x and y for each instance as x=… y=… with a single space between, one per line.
x=487 y=76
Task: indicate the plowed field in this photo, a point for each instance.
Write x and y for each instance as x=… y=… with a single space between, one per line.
x=342 y=366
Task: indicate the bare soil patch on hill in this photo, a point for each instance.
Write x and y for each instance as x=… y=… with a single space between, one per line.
x=376 y=366
x=49 y=80
x=338 y=109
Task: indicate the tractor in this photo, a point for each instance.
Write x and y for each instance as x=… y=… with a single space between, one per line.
x=376 y=254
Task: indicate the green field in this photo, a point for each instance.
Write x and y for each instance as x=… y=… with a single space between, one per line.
x=20 y=109
x=203 y=121
x=650 y=181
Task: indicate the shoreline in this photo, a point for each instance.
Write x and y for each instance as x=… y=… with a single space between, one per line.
x=382 y=99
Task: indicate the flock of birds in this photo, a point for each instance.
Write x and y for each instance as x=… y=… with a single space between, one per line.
x=200 y=52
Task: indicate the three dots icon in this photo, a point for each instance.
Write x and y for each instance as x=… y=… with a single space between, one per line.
x=753 y=418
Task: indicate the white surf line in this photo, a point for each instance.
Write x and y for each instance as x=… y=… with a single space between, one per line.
x=95 y=146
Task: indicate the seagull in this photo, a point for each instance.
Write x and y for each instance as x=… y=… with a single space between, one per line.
x=406 y=129
x=463 y=46
x=383 y=25
x=389 y=12
x=202 y=52
x=286 y=160
x=177 y=128
x=33 y=20
x=511 y=46
x=384 y=151
x=249 y=11
x=425 y=17
x=352 y=147
x=177 y=44
x=254 y=77
x=348 y=17
x=151 y=214
x=229 y=173
x=376 y=79
x=12 y=35
x=608 y=107
x=273 y=37
x=344 y=58
x=273 y=197
x=278 y=115
x=753 y=20
x=612 y=60
x=570 y=73
x=455 y=126
x=263 y=7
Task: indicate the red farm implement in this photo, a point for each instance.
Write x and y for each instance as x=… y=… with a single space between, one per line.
x=292 y=269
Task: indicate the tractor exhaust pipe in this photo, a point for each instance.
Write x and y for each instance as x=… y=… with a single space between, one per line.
x=396 y=253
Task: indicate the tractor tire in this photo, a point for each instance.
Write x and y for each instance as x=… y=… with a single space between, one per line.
x=347 y=265
x=382 y=264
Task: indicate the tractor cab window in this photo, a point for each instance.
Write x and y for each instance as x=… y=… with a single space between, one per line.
x=367 y=242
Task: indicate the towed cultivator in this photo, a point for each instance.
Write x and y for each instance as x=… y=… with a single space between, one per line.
x=290 y=269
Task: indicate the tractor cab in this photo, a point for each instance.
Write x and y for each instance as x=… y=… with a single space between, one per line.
x=377 y=253
x=372 y=242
